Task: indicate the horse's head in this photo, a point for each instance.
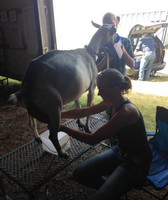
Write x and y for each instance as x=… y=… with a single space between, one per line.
x=107 y=32
x=104 y=35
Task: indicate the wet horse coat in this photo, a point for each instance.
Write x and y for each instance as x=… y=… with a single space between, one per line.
x=59 y=77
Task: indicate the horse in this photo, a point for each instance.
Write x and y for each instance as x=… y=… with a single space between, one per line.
x=59 y=77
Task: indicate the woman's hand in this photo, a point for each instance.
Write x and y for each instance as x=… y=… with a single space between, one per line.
x=63 y=128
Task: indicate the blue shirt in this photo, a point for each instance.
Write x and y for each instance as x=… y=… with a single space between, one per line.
x=146 y=44
x=116 y=62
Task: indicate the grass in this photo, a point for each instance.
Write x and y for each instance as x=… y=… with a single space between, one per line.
x=159 y=79
x=11 y=81
x=147 y=105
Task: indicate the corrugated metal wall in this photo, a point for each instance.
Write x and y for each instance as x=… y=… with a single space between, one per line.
x=144 y=18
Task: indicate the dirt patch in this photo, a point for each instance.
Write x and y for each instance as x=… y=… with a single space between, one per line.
x=15 y=131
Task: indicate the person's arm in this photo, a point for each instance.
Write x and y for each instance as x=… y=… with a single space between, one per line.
x=117 y=122
x=128 y=52
x=128 y=59
x=138 y=49
x=83 y=112
x=138 y=53
x=101 y=65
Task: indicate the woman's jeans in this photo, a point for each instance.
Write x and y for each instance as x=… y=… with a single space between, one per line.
x=146 y=65
x=106 y=173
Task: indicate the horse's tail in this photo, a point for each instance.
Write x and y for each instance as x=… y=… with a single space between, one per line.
x=13 y=98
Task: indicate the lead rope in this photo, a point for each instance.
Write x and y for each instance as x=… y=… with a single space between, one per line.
x=107 y=57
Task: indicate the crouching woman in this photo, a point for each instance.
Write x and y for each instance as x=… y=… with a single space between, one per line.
x=126 y=164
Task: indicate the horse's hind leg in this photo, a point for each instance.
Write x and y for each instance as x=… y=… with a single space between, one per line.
x=51 y=106
x=33 y=125
x=47 y=109
x=54 y=123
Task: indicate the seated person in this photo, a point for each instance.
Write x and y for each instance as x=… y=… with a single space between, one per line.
x=127 y=163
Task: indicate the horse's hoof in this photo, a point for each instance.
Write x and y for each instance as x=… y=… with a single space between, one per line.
x=63 y=154
x=80 y=123
x=87 y=129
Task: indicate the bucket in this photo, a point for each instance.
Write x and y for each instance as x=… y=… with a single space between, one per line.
x=48 y=146
x=137 y=62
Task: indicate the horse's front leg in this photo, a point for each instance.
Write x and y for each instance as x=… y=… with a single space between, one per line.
x=79 y=121
x=90 y=98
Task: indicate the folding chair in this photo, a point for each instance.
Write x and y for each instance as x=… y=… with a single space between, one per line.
x=158 y=175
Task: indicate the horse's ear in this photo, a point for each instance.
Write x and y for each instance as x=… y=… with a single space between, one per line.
x=95 y=24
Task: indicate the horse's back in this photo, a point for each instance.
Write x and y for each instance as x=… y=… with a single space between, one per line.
x=69 y=72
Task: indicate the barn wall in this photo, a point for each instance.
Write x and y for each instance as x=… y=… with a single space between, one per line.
x=29 y=31
x=17 y=20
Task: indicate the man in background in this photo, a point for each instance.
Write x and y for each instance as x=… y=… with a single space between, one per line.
x=120 y=51
x=146 y=48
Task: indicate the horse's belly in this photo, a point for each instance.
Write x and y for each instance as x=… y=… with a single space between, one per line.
x=75 y=91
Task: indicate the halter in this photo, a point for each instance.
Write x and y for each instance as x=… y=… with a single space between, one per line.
x=91 y=52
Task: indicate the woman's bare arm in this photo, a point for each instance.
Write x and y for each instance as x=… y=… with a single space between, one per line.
x=124 y=117
x=83 y=112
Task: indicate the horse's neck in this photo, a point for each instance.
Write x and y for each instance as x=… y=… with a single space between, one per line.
x=95 y=44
